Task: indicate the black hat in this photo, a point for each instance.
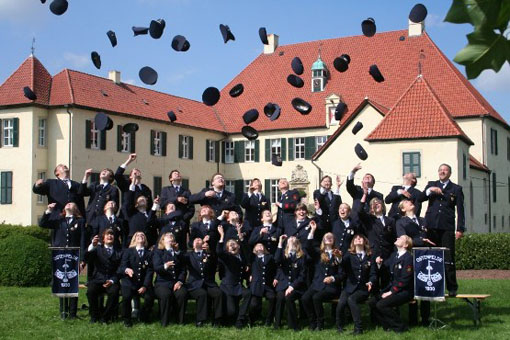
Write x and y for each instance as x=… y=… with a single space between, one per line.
x=276 y=160
x=295 y=81
x=249 y=132
x=272 y=111
x=139 y=30
x=376 y=74
x=103 y=122
x=171 y=115
x=113 y=38
x=250 y=116
x=263 y=35
x=43 y=1
x=357 y=127
x=360 y=152
x=341 y=63
x=27 y=91
x=180 y=44
x=418 y=13
x=58 y=7
x=156 y=28
x=368 y=27
x=210 y=96
x=148 y=75
x=96 y=59
x=340 y=110
x=297 y=66
x=301 y=106
x=226 y=33
x=130 y=127
x=236 y=91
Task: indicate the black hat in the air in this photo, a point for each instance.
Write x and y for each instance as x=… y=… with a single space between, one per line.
x=250 y=116
x=27 y=92
x=140 y=30
x=301 y=106
x=360 y=152
x=130 y=127
x=96 y=59
x=295 y=81
x=340 y=110
x=357 y=127
x=272 y=111
x=418 y=13
x=263 y=35
x=341 y=64
x=103 y=122
x=368 y=27
x=171 y=115
x=156 y=28
x=148 y=75
x=210 y=96
x=376 y=74
x=113 y=38
x=59 y=7
x=297 y=66
x=226 y=33
x=276 y=160
x=236 y=91
x=249 y=132
x=180 y=44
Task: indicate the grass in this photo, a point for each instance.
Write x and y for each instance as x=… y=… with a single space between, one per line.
x=32 y=313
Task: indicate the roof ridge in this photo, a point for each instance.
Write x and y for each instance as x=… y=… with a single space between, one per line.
x=222 y=123
x=70 y=85
x=16 y=70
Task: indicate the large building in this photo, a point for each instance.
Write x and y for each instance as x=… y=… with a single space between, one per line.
x=425 y=113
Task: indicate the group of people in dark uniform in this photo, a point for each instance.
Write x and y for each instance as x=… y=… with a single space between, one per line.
x=229 y=260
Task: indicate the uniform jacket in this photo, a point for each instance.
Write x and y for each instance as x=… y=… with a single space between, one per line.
x=381 y=236
x=394 y=198
x=201 y=270
x=142 y=268
x=262 y=274
x=269 y=239
x=358 y=272
x=227 y=201
x=173 y=274
x=105 y=266
x=291 y=271
x=441 y=209
x=329 y=208
x=169 y=195
x=254 y=207
x=235 y=270
x=406 y=226
x=401 y=271
x=58 y=192
x=64 y=234
x=99 y=195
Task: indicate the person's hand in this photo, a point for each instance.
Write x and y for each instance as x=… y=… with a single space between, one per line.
x=82 y=266
x=328 y=280
x=338 y=181
x=406 y=193
x=157 y=200
x=221 y=231
x=429 y=241
x=206 y=238
x=87 y=173
x=369 y=285
x=264 y=230
x=205 y=246
x=225 y=213
x=365 y=188
x=182 y=200
x=458 y=235
x=275 y=282
x=436 y=190
x=283 y=238
x=251 y=278
x=289 y=291
x=95 y=241
x=313 y=226
x=337 y=253
x=39 y=182
x=210 y=193
x=107 y=284
x=379 y=260
x=385 y=295
x=129 y=272
x=356 y=168
x=142 y=290
x=169 y=264
x=251 y=189
x=52 y=206
x=177 y=286
x=316 y=204
x=131 y=158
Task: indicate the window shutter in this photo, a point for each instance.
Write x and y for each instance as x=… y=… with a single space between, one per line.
x=190 y=147
x=291 y=149
x=88 y=137
x=239 y=152
x=310 y=145
x=217 y=152
x=151 y=142
x=268 y=150
x=207 y=143
x=267 y=189
x=132 y=147
x=185 y=183
x=119 y=138
x=283 y=142
x=223 y=152
x=239 y=190
x=103 y=140
x=157 y=185
x=163 y=144
x=15 y=130
x=180 y=146
x=207 y=183
x=257 y=150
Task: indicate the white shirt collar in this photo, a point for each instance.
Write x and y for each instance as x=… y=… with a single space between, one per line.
x=138 y=249
x=324 y=191
x=401 y=252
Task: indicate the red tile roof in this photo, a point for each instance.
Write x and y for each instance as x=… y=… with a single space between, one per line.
x=417 y=114
x=474 y=163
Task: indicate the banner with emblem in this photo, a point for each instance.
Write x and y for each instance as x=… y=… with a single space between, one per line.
x=65 y=271
x=429 y=274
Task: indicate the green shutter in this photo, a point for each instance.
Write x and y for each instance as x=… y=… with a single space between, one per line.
x=268 y=150
x=151 y=142
x=217 y=152
x=283 y=142
x=180 y=146
x=185 y=183
x=15 y=132
x=133 y=142
x=119 y=138
x=163 y=144
x=103 y=140
x=257 y=151
x=207 y=143
x=239 y=190
x=291 y=149
x=207 y=183
x=88 y=137
x=310 y=146
x=190 y=147
x=223 y=152
x=239 y=152
x=267 y=189
x=157 y=186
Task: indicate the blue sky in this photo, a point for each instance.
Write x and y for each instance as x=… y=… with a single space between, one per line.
x=66 y=41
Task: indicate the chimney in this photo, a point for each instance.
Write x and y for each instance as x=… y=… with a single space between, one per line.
x=114 y=76
x=273 y=44
x=416 y=29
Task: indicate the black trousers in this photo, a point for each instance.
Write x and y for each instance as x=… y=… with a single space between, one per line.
x=234 y=307
x=312 y=302
x=353 y=300
x=290 y=304
x=94 y=291
x=202 y=297
x=385 y=310
x=446 y=238
x=424 y=312
x=256 y=306
x=170 y=300
x=128 y=293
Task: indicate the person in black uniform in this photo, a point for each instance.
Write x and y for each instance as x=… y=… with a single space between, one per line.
x=61 y=190
x=136 y=275
x=287 y=204
x=329 y=202
x=255 y=203
x=169 y=266
x=106 y=261
x=176 y=194
x=201 y=283
x=299 y=226
x=68 y=230
x=290 y=279
x=206 y=229
x=358 y=268
x=345 y=227
x=444 y=197
x=99 y=193
x=233 y=227
x=235 y=262
x=171 y=222
x=356 y=191
x=326 y=280
x=267 y=233
x=139 y=218
x=109 y=220
x=217 y=197
x=401 y=192
x=263 y=271
x=400 y=289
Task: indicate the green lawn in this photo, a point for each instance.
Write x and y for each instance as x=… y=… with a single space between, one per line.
x=32 y=313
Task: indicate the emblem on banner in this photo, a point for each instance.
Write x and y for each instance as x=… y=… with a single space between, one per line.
x=65 y=275
x=429 y=278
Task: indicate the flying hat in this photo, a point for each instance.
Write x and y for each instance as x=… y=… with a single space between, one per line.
x=376 y=74
x=156 y=28
x=250 y=116
x=272 y=111
x=276 y=160
x=301 y=106
x=180 y=44
x=226 y=33
x=368 y=27
x=295 y=81
x=297 y=66
x=130 y=127
x=148 y=75
x=341 y=63
x=236 y=91
x=357 y=127
x=340 y=110
x=210 y=96
x=103 y=122
x=43 y=1
x=418 y=13
x=27 y=92
x=249 y=132
x=140 y=30
x=360 y=152
x=59 y=7
x=113 y=38
x=96 y=59
x=263 y=35
x=171 y=115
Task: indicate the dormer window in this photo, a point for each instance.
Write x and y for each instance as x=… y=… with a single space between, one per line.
x=319 y=75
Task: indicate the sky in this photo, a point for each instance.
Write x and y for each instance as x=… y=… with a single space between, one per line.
x=66 y=41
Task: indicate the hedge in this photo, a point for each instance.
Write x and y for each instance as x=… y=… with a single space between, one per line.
x=25 y=261
x=483 y=251
x=34 y=231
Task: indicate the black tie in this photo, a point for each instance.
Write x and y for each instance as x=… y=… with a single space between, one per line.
x=111 y=219
x=140 y=253
x=415 y=220
x=177 y=188
x=109 y=251
x=360 y=256
x=206 y=226
x=69 y=220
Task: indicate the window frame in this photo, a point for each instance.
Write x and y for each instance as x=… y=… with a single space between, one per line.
x=301 y=146
x=249 y=151
x=6 y=189
x=229 y=152
x=319 y=144
x=157 y=143
x=274 y=192
x=95 y=136
x=125 y=142
x=41 y=138
x=212 y=151
x=411 y=165
x=276 y=147
x=185 y=147
x=8 y=132
x=230 y=185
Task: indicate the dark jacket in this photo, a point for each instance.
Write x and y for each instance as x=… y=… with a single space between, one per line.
x=171 y=275
x=105 y=266
x=401 y=273
x=262 y=275
x=343 y=235
x=323 y=270
x=394 y=198
x=200 y=230
x=235 y=270
x=269 y=239
x=329 y=208
x=291 y=271
x=124 y=184
x=138 y=221
x=301 y=231
x=169 y=195
x=358 y=272
x=58 y=192
x=406 y=226
x=289 y=200
x=172 y=223
x=254 y=208
x=64 y=234
x=101 y=223
x=201 y=270
x=356 y=193
x=142 y=268
x=227 y=201
x=99 y=196
x=381 y=236
x=441 y=209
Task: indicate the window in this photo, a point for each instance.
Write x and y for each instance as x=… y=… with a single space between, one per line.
x=411 y=163
x=157 y=144
x=125 y=142
x=6 y=187
x=274 y=192
x=276 y=147
x=246 y=185
x=8 y=132
x=230 y=185
x=95 y=136
x=211 y=150
x=464 y=166
x=320 y=141
x=42 y=132
x=331 y=114
x=494 y=187
x=494 y=142
x=157 y=183
x=41 y=175
x=471 y=200
x=249 y=151
x=299 y=148
x=229 y=152
x=185 y=147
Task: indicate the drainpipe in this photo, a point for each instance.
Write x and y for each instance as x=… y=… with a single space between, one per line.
x=320 y=170
x=70 y=138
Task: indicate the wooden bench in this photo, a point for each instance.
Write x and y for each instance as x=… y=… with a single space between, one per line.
x=475 y=302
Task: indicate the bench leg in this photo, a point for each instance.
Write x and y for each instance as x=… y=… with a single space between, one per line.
x=475 y=305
